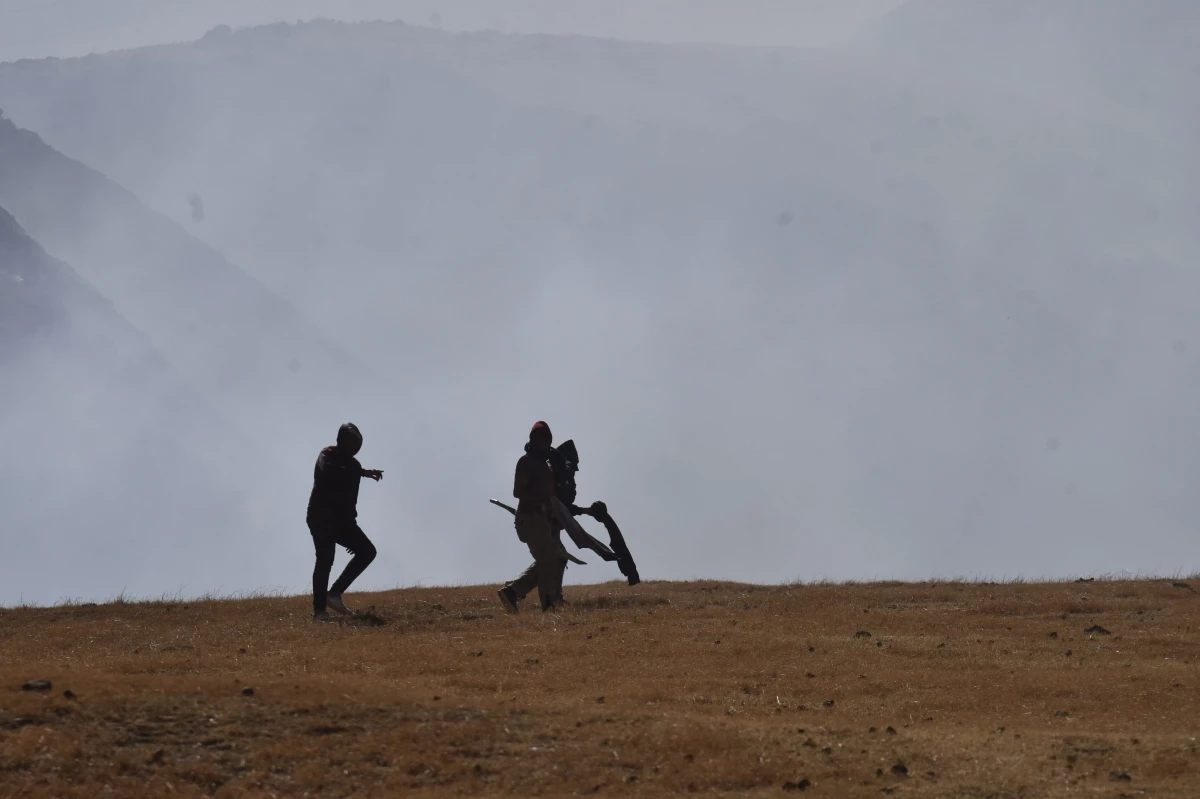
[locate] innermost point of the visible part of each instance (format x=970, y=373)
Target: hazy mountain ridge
x=38, y=28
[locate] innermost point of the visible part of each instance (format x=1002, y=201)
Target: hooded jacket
x=334, y=497
x=533, y=482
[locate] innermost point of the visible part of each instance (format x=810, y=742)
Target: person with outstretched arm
x=333, y=520
x=533, y=486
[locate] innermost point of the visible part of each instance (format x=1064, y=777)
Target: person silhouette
x=333, y=520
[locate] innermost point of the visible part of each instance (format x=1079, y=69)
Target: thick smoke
x=887, y=310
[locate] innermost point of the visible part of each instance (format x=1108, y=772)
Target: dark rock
x=69, y=694
x=829, y=703
x=862, y=634
x=247, y=692
x=1061, y=714
x=37, y=685
x=1096, y=629
x=799, y=785
x=900, y=770
x=326, y=729
x=1119, y=776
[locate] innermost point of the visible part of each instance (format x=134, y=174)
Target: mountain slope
x=113, y=473
x=247, y=350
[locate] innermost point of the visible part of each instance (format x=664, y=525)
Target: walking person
x=333, y=520
x=533, y=486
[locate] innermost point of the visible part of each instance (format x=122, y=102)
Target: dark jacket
x=334, y=497
x=533, y=483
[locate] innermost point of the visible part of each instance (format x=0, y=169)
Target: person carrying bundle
x=533, y=487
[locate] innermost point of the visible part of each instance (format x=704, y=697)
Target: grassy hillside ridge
x=918, y=689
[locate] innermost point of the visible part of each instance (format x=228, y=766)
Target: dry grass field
x=946, y=690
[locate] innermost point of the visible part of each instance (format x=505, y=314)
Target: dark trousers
x=327, y=537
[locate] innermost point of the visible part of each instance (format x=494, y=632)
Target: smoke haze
x=919, y=301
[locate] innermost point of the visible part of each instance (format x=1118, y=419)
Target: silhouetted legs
x=326, y=540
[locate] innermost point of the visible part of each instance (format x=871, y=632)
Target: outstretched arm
x=374, y=474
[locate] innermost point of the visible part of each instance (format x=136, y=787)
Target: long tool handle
x=513, y=511
x=508, y=508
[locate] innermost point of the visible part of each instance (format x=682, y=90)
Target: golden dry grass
x=965, y=690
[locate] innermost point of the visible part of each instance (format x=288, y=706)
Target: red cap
x=540, y=426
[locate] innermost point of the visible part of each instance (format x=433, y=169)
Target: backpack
x=564, y=462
